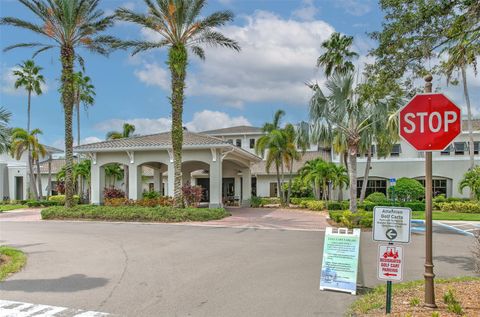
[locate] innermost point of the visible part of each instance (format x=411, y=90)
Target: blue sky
x=280, y=42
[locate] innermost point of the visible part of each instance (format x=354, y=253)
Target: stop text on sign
x=430, y=122
x=434, y=121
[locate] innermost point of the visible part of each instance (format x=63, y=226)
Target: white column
x=135, y=182
x=157, y=180
x=216, y=184
x=238, y=187
x=246, y=187
x=97, y=184
x=170, y=180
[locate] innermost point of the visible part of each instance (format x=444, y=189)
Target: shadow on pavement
x=71, y=283
x=464, y=262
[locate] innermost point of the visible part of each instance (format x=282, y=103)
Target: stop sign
x=430, y=122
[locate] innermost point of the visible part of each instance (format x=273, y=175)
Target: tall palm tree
x=29, y=77
x=337, y=56
x=460, y=57
x=127, y=131
x=114, y=172
x=84, y=94
x=317, y=172
x=38, y=151
x=5, y=131
x=343, y=114
x=83, y=172
x=180, y=26
x=22, y=142
x=291, y=154
x=67, y=25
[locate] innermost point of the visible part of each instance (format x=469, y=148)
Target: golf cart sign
x=390, y=263
x=430, y=122
x=391, y=224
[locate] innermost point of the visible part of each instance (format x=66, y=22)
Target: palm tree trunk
x=289, y=195
x=340, y=193
x=67, y=55
x=31, y=177
x=279, y=192
x=177, y=62
x=49, y=190
x=365, y=176
x=39, y=179
x=78, y=122
x=282, y=197
x=126, y=173
x=352, y=171
x=345, y=159
x=469, y=121
x=28, y=110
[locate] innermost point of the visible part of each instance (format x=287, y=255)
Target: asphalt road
x=181, y=270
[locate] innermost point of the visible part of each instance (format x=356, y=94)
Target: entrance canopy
x=200, y=152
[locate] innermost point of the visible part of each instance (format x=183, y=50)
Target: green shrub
x=134, y=213
x=255, y=201
x=335, y=215
x=378, y=198
x=11, y=207
x=41, y=203
x=461, y=206
x=454, y=199
x=60, y=199
x=270, y=201
x=335, y=205
x=298, y=201
x=408, y=189
x=299, y=188
x=415, y=205
x=353, y=220
x=439, y=198
x=151, y=194
x=315, y=205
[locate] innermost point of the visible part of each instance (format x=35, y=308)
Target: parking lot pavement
x=20, y=309
x=132, y=269
x=462, y=227
x=27, y=214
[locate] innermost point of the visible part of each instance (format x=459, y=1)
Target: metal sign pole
x=388, y=305
x=429, y=275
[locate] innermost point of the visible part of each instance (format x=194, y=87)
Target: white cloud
x=154, y=75
x=90, y=139
x=306, y=11
x=277, y=58
x=355, y=7
x=7, y=83
x=201, y=121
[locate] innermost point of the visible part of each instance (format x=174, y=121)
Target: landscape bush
x=376, y=197
x=113, y=192
x=408, y=189
x=336, y=205
x=315, y=205
x=298, y=201
x=191, y=195
x=151, y=194
x=461, y=206
x=145, y=202
x=361, y=219
x=60, y=199
x=42, y=203
x=255, y=201
x=134, y=213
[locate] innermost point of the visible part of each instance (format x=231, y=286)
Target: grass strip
x=15, y=260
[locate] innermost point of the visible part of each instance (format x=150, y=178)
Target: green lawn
x=445, y=215
x=10, y=207
x=16, y=260
x=134, y=213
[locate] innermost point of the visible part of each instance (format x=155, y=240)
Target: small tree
x=471, y=179
x=408, y=189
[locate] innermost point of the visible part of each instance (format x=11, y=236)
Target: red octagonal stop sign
x=430, y=122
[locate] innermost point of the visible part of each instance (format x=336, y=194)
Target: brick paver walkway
x=27, y=214
x=270, y=218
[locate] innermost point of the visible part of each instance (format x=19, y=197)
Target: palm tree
x=83, y=172
x=67, y=25
x=471, y=179
x=127, y=131
x=460, y=56
x=114, y=172
x=291, y=154
x=29, y=77
x=343, y=114
x=5, y=131
x=38, y=151
x=22, y=142
x=84, y=93
x=317, y=172
x=179, y=26
x=339, y=178
x=337, y=56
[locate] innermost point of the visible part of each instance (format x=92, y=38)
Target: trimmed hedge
x=315, y=205
x=11, y=207
x=376, y=197
x=134, y=213
x=361, y=219
x=42, y=203
x=414, y=205
x=461, y=206
x=60, y=199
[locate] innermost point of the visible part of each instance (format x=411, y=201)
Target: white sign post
x=391, y=224
x=390, y=263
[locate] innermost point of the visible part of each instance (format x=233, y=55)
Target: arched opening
x=197, y=173
x=153, y=179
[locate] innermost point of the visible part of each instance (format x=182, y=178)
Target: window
x=151, y=187
x=446, y=151
x=476, y=146
x=273, y=189
x=373, y=186
x=459, y=148
x=252, y=143
x=254, y=186
x=230, y=141
x=396, y=150
x=439, y=186
x=238, y=142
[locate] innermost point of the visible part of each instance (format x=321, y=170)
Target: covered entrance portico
x=202, y=157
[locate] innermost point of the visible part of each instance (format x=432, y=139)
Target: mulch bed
x=4, y=259
x=467, y=293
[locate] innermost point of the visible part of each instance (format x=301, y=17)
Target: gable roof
x=241, y=129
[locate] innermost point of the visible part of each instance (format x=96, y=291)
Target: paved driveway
x=177, y=270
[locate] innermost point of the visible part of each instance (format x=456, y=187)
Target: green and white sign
x=340, y=260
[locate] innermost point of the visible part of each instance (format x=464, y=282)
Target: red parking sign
x=430, y=122
x=390, y=262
